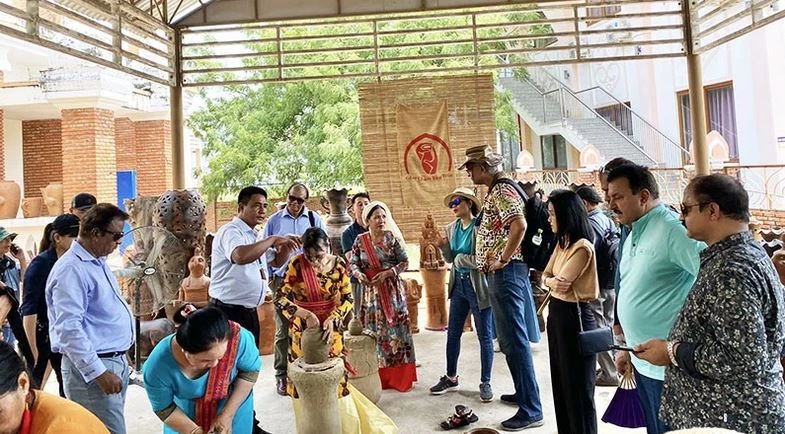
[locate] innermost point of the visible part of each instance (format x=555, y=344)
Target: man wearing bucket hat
x=468, y=292
x=498, y=254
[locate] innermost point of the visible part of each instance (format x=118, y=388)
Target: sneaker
x=444, y=385
x=509, y=399
x=135, y=379
x=486, y=393
x=519, y=422
x=496, y=347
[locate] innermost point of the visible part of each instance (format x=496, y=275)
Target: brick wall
x=42, y=148
x=125, y=143
x=770, y=218
x=89, y=155
x=153, y=156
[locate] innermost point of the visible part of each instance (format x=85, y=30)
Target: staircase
x=550, y=107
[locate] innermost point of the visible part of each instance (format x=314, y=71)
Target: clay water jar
x=315, y=349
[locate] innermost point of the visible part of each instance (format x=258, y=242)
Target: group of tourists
x=695, y=305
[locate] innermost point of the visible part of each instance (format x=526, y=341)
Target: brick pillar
x=42, y=148
x=125, y=141
x=153, y=157
x=89, y=161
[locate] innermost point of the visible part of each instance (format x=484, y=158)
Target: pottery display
x=434, y=273
x=413, y=296
x=315, y=349
x=10, y=196
x=316, y=409
x=195, y=287
x=53, y=199
x=183, y=213
x=32, y=207
x=361, y=355
x=266, y=313
x=339, y=219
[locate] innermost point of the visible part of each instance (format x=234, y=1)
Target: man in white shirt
x=239, y=266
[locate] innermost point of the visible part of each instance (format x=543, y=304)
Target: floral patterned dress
x=383, y=309
x=333, y=285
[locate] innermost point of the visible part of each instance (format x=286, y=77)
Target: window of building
x=619, y=115
x=720, y=115
x=554, y=152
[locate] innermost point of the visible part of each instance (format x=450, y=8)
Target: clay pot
x=339, y=219
x=482, y=431
x=10, y=195
x=315, y=349
x=266, y=313
x=361, y=354
x=32, y=207
x=355, y=327
x=53, y=199
x=435, y=283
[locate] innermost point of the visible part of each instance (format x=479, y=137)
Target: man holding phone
x=13, y=264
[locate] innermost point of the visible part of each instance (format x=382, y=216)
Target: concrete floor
x=415, y=411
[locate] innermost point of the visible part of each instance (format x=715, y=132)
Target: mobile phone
x=621, y=348
x=14, y=249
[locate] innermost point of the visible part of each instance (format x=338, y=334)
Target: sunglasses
x=116, y=235
x=296, y=199
x=455, y=202
x=685, y=209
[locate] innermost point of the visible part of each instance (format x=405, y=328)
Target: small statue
x=194, y=288
x=430, y=255
x=413, y=296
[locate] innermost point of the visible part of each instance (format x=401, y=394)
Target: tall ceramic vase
x=435, y=283
x=10, y=196
x=339, y=219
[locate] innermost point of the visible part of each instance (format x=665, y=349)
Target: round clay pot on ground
x=435, y=285
x=315, y=349
x=32, y=207
x=266, y=313
x=10, y=196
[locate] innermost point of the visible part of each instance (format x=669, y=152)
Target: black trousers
x=572, y=374
x=46, y=356
x=247, y=317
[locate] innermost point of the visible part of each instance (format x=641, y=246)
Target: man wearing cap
x=81, y=203
x=13, y=264
x=90, y=323
x=605, y=235
x=498, y=253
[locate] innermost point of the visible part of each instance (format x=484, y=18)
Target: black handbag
x=594, y=341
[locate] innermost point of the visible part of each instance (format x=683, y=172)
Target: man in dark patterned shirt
x=723, y=352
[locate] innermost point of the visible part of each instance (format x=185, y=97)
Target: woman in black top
x=63, y=231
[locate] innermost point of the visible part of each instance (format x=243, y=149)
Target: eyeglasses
x=685, y=209
x=455, y=202
x=115, y=235
x=296, y=199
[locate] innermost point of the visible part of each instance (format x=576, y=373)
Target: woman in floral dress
x=378, y=258
x=315, y=293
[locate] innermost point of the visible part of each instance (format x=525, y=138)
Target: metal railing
x=645, y=136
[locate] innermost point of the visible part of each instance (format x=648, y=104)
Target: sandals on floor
x=463, y=416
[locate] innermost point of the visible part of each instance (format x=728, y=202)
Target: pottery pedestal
x=317, y=386
x=10, y=195
x=361, y=355
x=436, y=298
x=266, y=313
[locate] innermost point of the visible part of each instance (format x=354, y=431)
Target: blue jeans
x=462, y=300
x=510, y=291
x=650, y=392
x=108, y=408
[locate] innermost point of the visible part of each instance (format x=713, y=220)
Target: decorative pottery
x=339, y=219
x=10, y=195
x=195, y=287
x=434, y=273
x=53, y=199
x=413, y=296
x=266, y=313
x=315, y=349
x=32, y=207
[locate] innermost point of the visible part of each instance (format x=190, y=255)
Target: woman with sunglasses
x=62, y=232
x=571, y=275
x=468, y=292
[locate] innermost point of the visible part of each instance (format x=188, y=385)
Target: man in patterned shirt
x=499, y=237
x=723, y=352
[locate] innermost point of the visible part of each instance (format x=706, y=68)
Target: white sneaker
x=496, y=347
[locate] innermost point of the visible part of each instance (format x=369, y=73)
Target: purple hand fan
x=625, y=408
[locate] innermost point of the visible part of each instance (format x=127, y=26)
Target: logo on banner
x=429, y=149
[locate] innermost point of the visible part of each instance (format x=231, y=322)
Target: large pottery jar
x=266, y=327
x=53, y=199
x=10, y=195
x=32, y=207
x=339, y=219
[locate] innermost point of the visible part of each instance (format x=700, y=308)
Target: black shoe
x=445, y=385
x=520, y=422
x=280, y=386
x=510, y=398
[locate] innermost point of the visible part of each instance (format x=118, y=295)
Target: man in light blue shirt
x=293, y=220
x=658, y=268
x=90, y=323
